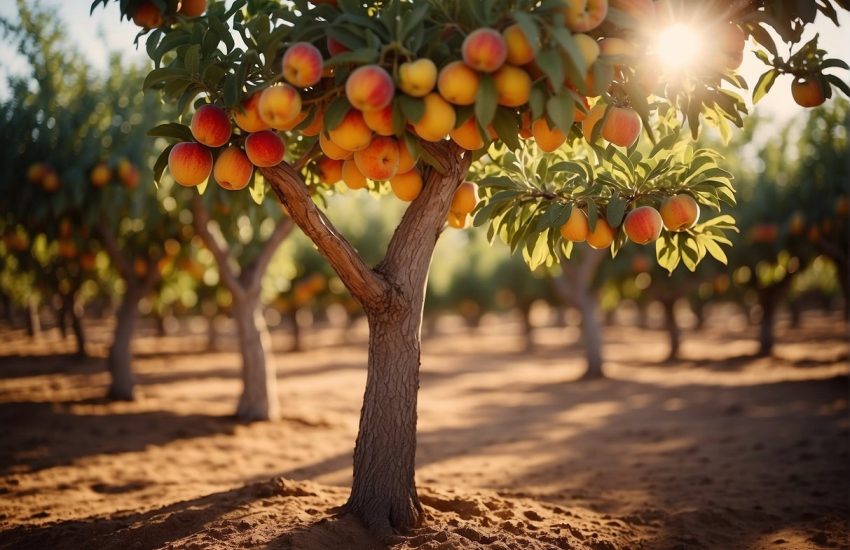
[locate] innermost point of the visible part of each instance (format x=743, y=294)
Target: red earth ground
x=719, y=450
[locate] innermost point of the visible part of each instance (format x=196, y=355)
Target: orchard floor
x=719, y=450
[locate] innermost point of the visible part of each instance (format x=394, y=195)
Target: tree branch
x=426, y=215
x=364, y=284
x=220, y=251
x=261, y=264
x=110, y=243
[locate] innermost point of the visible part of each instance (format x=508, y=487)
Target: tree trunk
x=383, y=493
x=119, y=360
x=844, y=282
x=672, y=328
x=73, y=310
x=591, y=334
x=33, y=319
x=527, y=325
x=698, y=307
x=297, y=344
x=768, y=323
x=259, y=383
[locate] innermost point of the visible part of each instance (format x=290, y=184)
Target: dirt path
x=720, y=450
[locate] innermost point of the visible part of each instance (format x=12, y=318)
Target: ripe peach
x=264, y=148
x=602, y=235
x=438, y=119
x=407, y=186
x=301, y=117
x=232, y=169
x=88, y=261
x=589, y=48
x=576, y=228
x=623, y=127
x=617, y=46
x=315, y=126
x=643, y=225
x=131, y=179
x=336, y=47
x=465, y=198
x=352, y=134
x=417, y=78
x=36, y=172
x=679, y=212
x=279, y=105
x=585, y=15
x=369, y=88
x=406, y=159
x=591, y=120
x=147, y=15
x=332, y=150
x=467, y=135
x=302, y=65
x=547, y=138
x=192, y=8
x=211, y=126
x=513, y=86
x=67, y=249
x=458, y=84
x=100, y=175
x=525, y=125
x=247, y=116
x=352, y=177
x=50, y=182
x=642, y=11
x=457, y=221
x=484, y=50
x=807, y=91
x=124, y=168
x=378, y=161
x=190, y=163
x=519, y=48
x=380, y=122
x=330, y=170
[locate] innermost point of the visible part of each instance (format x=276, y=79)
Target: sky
x=101, y=32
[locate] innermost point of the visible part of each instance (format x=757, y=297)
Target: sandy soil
x=719, y=450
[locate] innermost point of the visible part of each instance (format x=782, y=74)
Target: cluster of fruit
x=642, y=225
x=126, y=171
x=45, y=175
x=148, y=16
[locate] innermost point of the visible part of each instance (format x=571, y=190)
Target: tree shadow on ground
x=36, y=436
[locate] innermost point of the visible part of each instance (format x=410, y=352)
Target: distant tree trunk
x=698, y=308
x=642, y=314
x=259, y=377
x=795, y=307
x=33, y=319
x=768, y=324
x=159, y=319
x=119, y=360
x=561, y=316
x=212, y=334
x=297, y=343
x=610, y=317
x=844, y=283
x=72, y=311
x=672, y=328
x=524, y=308
x=576, y=286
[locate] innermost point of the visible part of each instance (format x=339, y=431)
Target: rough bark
x=671, y=326
x=119, y=360
x=258, y=400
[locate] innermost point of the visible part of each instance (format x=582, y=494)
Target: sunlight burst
x=680, y=46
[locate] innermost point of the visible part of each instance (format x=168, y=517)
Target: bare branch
x=364, y=284
x=110, y=243
x=220, y=251
x=261, y=264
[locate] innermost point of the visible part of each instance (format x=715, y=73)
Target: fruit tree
x=417, y=93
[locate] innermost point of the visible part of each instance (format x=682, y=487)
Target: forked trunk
x=672, y=328
x=383, y=493
x=119, y=360
x=259, y=383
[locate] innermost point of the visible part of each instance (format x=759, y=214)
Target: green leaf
x=192, y=59
x=172, y=130
x=552, y=66
x=616, y=210
x=161, y=163
x=336, y=112
x=486, y=101
x=413, y=108
x=561, y=109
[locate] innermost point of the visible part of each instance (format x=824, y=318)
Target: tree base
x=120, y=394
x=592, y=374
x=386, y=517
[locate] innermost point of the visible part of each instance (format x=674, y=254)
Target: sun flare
x=680, y=46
